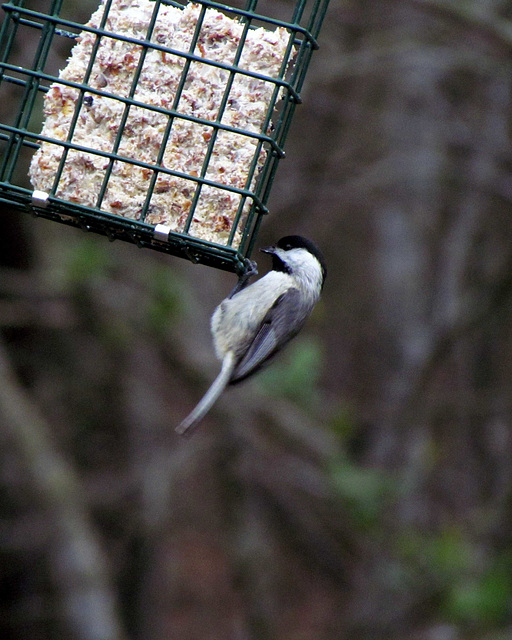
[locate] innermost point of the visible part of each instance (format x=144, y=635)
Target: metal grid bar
x=20, y=136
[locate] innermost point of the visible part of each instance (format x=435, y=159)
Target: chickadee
x=254, y=322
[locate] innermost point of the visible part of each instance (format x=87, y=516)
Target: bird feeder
x=165, y=125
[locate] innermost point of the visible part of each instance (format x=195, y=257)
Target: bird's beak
x=270, y=250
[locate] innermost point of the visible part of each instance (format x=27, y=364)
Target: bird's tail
x=210, y=397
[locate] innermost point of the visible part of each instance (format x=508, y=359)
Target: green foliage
x=342, y=423
x=471, y=591
x=297, y=374
x=86, y=259
x=445, y=555
x=91, y=259
x=481, y=599
x=165, y=301
x=366, y=492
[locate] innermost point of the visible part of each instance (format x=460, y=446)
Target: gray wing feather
x=282, y=322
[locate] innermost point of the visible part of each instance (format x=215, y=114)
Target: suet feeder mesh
x=164, y=127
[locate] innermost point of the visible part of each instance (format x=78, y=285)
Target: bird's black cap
x=299, y=242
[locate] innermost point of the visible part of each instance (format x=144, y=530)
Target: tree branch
x=80, y=569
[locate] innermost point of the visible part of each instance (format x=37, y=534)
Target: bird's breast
x=236, y=320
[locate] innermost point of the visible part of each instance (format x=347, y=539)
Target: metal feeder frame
x=20, y=137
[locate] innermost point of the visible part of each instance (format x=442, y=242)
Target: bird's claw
x=251, y=269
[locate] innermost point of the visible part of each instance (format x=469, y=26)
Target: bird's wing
x=282, y=322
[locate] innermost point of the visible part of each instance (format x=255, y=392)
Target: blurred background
x=361, y=487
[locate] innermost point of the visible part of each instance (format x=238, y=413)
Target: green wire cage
x=165, y=125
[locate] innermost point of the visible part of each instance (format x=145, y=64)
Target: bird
x=257, y=320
